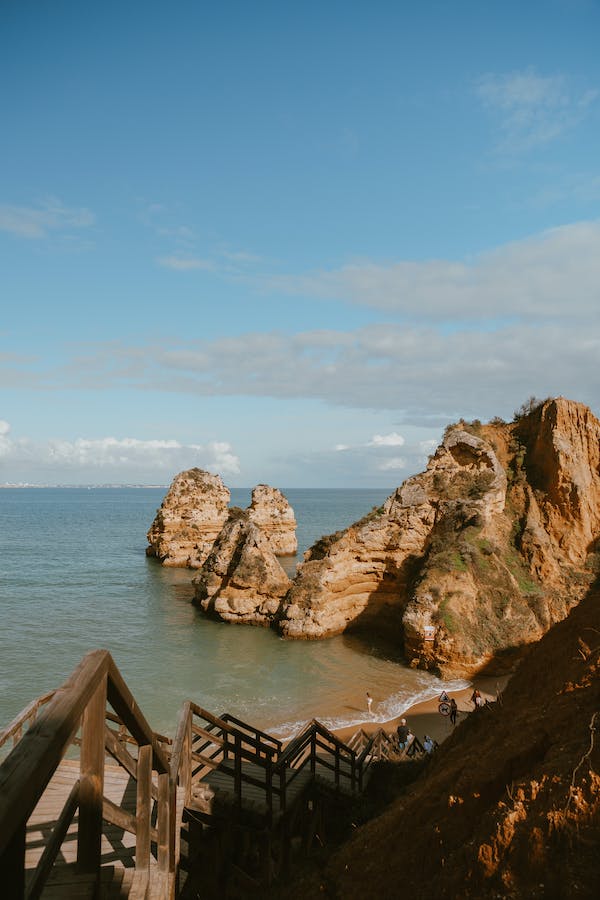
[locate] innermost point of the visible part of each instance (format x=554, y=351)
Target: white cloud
x=390, y=465
x=461, y=361
x=386, y=440
x=341, y=447
x=38, y=222
x=4, y=427
x=532, y=109
x=185, y=263
x=552, y=274
x=112, y=458
x=422, y=374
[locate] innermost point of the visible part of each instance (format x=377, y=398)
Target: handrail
x=225, y=739
x=255, y=732
x=14, y=728
x=80, y=706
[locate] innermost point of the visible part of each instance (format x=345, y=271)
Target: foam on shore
x=384, y=711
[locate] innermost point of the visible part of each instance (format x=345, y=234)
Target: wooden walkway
x=222, y=798
x=118, y=877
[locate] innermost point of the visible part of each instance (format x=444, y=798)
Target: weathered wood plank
x=91, y=788
x=27, y=770
x=51, y=849
x=144, y=805
x=164, y=808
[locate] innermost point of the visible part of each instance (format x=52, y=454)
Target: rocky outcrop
x=273, y=514
x=561, y=464
x=196, y=508
x=241, y=580
x=481, y=552
x=189, y=519
x=364, y=574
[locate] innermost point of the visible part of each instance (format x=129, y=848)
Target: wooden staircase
x=95, y=804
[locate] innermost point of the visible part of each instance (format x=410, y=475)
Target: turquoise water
x=74, y=577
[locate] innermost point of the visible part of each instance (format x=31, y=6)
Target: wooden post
x=12, y=865
x=238, y=769
x=143, y=807
x=186, y=760
x=225, y=746
x=282, y=788
x=313, y=751
x=89, y=835
x=269, y=784
x=163, y=824
x=337, y=766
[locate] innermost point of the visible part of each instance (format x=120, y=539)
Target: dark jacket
x=403, y=732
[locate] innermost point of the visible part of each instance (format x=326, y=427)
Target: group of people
x=406, y=739
x=447, y=706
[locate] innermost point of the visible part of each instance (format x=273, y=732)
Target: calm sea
x=74, y=577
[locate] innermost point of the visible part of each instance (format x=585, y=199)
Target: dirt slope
x=510, y=806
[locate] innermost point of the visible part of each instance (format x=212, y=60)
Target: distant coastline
x=25, y=484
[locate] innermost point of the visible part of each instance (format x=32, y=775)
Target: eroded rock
x=190, y=517
x=241, y=579
x=273, y=514
x=482, y=552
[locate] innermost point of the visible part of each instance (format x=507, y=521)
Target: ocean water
x=74, y=577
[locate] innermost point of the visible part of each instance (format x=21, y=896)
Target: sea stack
x=190, y=518
x=273, y=514
x=241, y=579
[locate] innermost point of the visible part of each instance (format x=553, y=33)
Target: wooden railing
x=95, y=710
x=14, y=730
x=255, y=736
x=77, y=712
x=204, y=743
x=316, y=747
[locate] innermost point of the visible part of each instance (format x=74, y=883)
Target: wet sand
x=423, y=718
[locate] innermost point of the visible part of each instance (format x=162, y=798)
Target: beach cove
x=74, y=576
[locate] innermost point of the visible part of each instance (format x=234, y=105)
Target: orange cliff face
x=479, y=553
x=189, y=519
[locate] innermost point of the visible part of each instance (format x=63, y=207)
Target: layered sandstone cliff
x=270, y=510
x=365, y=574
x=189, y=519
x=241, y=579
x=481, y=552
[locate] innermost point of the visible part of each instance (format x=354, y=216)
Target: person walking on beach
x=453, y=711
x=369, y=702
x=476, y=698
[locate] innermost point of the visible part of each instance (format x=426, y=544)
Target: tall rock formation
x=241, y=580
x=364, y=574
x=481, y=552
x=189, y=519
x=195, y=509
x=273, y=514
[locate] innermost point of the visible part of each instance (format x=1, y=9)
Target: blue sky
x=290, y=243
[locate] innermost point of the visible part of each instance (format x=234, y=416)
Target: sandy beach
x=423, y=718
